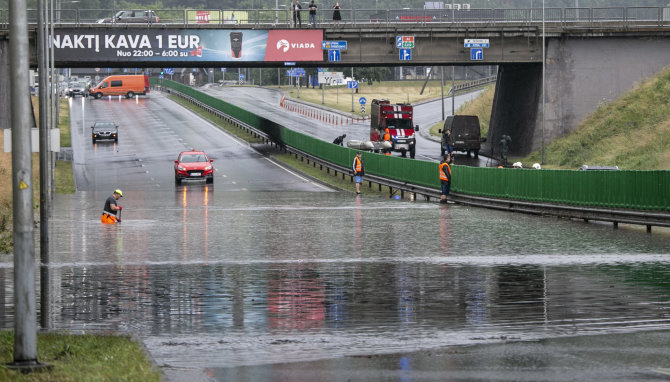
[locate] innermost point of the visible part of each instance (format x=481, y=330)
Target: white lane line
x=298, y=175
x=215, y=127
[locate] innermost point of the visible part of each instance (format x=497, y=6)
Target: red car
x=193, y=165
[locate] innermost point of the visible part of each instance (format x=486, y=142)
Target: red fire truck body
x=398, y=118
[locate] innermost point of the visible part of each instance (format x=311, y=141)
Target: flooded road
x=217, y=279
x=265, y=275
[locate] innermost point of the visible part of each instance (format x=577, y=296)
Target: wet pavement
x=217, y=282
x=267, y=276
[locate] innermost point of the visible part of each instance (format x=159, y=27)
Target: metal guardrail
x=472, y=84
x=615, y=216
x=281, y=17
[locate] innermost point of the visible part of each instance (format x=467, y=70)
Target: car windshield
x=193, y=158
x=104, y=125
x=73, y=84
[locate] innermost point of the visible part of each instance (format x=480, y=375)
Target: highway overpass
x=589, y=60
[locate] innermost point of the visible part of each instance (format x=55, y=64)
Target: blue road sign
x=169, y=71
x=352, y=84
x=405, y=54
x=223, y=70
x=333, y=55
x=339, y=45
x=289, y=63
x=398, y=41
x=241, y=76
x=476, y=54
x=362, y=101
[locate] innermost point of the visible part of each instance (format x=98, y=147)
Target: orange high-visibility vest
x=387, y=136
x=445, y=175
x=358, y=165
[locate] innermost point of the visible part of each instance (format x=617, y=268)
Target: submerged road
x=265, y=277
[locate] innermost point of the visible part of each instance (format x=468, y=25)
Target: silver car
x=146, y=17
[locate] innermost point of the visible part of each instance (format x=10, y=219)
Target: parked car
x=193, y=165
x=77, y=88
x=135, y=16
x=104, y=130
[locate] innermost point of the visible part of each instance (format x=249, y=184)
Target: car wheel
x=130, y=95
x=177, y=180
x=116, y=139
x=412, y=152
x=98, y=95
x=404, y=154
x=210, y=180
x=476, y=153
x=93, y=140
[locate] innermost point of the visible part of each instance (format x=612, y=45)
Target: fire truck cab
x=398, y=118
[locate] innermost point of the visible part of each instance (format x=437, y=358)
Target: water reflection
x=286, y=276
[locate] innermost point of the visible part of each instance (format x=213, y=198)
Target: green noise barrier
x=642, y=190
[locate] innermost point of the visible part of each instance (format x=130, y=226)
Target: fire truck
x=398, y=118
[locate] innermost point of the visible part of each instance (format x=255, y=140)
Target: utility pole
x=352, y=89
x=25, y=325
x=442, y=89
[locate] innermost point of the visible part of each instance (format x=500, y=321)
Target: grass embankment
x=81, y=358
x=308, y=169
x=480, y=106
x=63, y=176
x=632, y=132
x=339, y=97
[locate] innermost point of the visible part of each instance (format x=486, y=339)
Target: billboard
x=185, y=45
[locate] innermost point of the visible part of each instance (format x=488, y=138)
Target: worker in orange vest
x=445, y=177
x=111, y=207
x=387, y=138
x=359, y=171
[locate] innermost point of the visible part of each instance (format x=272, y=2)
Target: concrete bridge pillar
x=581, y=74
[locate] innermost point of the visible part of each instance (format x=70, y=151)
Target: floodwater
x=213, y=279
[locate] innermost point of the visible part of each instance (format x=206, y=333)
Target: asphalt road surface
x=152, y=132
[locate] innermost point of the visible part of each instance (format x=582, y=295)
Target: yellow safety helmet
x=117, y=191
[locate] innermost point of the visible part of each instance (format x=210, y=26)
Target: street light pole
x=544, y=60
x=25, y=325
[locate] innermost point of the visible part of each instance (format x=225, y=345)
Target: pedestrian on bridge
x=312, y=14
x=359, y=170
x=445, y=177
x=297, y=22
x=337, y=17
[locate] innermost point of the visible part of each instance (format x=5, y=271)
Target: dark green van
x=465, y=134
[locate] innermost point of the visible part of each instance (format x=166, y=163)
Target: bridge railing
x=283, y=18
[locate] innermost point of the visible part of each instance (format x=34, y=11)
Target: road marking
x=298, y=175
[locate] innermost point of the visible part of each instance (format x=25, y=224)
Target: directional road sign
x=334, y=55
x=362, y=100
x=476, y=54
x=405, y=54
x=339, y=45
x=352, y=84
x=476, y=43
x=169, y=71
